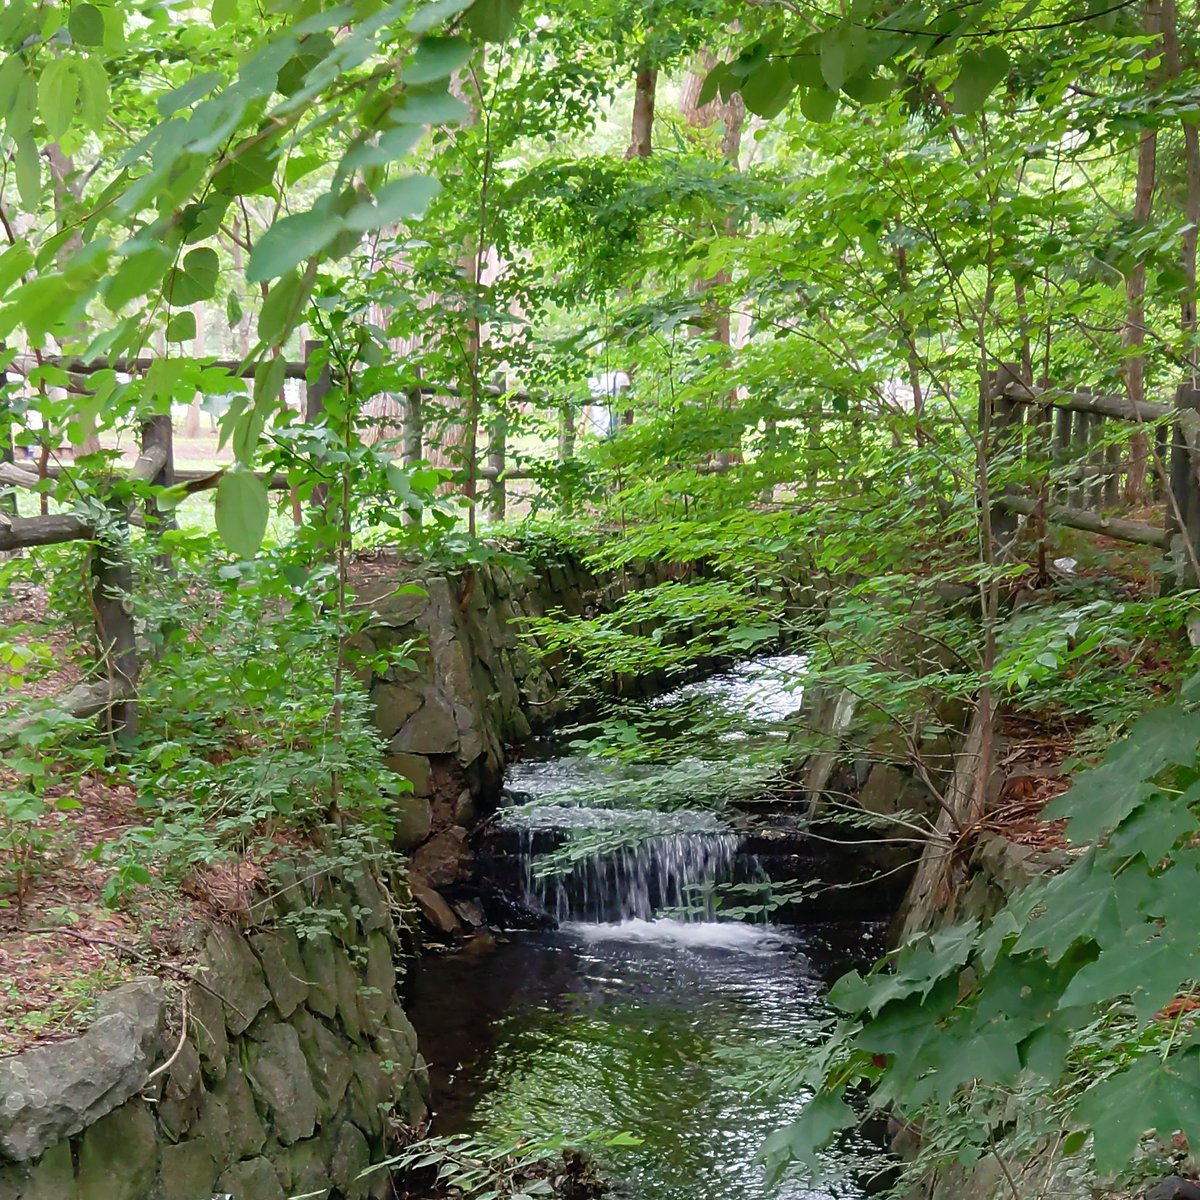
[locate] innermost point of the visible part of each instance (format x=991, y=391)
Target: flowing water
x=642, y=1013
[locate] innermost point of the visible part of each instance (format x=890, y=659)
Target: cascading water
x=593, y=852
x=670, y=873
x=640, y=1012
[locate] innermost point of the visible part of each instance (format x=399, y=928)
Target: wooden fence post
x=1096, y=459
x=1080, y=436
x=8, y=500
x=159, y=434
x=1162, y=448
x=1006, y=435
x=412, y=438
x=1062, y=450
x=1112, y=475
x=1185, y=528
x=412, y=429
x=566, y=431
x=112, y=600
x=497, y=452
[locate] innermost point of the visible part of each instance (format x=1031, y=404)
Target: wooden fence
x=1065, y=439
x=113, y=696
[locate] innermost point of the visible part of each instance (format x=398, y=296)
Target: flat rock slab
x=51, y=1092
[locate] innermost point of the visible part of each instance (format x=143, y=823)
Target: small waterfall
x=675, y=873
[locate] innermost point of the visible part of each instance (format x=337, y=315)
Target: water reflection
x=648, y=1027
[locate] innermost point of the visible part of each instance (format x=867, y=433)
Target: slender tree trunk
x=641, y=141
x=1191, y=165
x=732, y=113
x=911, y=356
x=1133, y=338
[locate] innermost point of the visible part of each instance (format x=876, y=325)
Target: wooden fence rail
x=1064, y=437
x=113, y=697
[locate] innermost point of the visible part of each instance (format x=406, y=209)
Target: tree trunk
x=1133, y=338
x=1191, y=165
x=645, y=87
x=732, y=113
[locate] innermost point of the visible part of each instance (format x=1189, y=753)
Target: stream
x=648, y=1012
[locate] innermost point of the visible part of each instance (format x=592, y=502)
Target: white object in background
x=1065, y=565
x=609, y=383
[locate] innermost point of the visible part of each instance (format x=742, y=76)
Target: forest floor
x=61, y=945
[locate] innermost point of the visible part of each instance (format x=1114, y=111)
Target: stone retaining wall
x=297, y=1058
x=477, y=686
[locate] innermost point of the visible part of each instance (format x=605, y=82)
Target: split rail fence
x=1062, y=436
x=1065, y=438
x=113, y=697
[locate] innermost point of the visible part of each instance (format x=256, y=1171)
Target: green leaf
x=280, y=309
x=804, y=63
x=843, y=52
x=1153, y=1094
x=93, y=93
x=430, y=106
x=14, y=262
x=404, y=199
x=58, y=93
x=980, y=72
x=818, y=104
x=233, y=309
x=290, y=242
x=867, y=88
x=223, y=11
x=202, y=268
x=1151, y=972
x=824, y=1116
x=20, y=97
x=908, y=1031
x=242, y=509
x=393, y=145
x=1101, y=798
x=268, y=382
x=1079, y=904
x=29, y=173
x=492, y=20
x=181, y=327
x=188, y=93
x=86, y=25
x=437, y=58
x=767, y=90
x=1156, y=826
x=430, y=16
x=141, y=271
x=712, y=81
x=164, y=382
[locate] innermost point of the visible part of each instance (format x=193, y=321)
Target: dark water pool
x=666, y=1031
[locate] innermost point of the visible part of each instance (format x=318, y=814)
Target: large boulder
x=51, y=1092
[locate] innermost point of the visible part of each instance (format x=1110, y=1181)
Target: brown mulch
x=60, y=945
x=24, y=616
x=1032, y=758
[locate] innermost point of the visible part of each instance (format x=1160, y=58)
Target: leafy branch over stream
x=1079, y=992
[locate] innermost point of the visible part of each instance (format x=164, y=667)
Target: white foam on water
x=705, y=935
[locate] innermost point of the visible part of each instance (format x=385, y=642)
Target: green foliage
x=479, y=1168
x=236, y=748
x=1066, y=989
x=44, y=760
